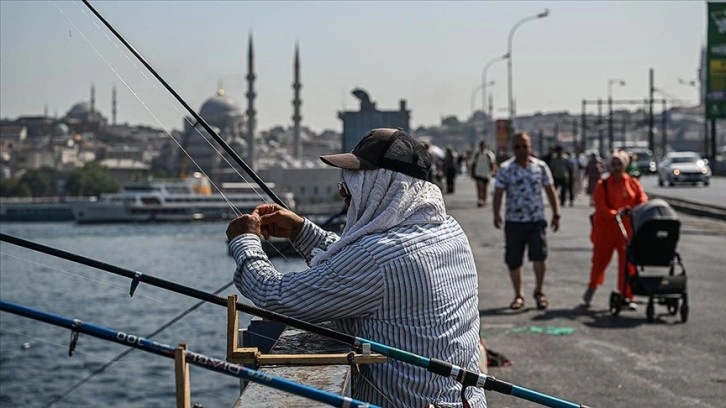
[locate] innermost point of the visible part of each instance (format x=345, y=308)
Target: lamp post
x=543, y=14
x=610, y=107
x=484, y=88
x=478, y=88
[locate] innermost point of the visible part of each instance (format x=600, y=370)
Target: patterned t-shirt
x=523, y=187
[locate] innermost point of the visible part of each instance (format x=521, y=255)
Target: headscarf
x=382, y=199
x=622, y=156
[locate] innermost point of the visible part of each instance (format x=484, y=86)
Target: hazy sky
x=429, y=53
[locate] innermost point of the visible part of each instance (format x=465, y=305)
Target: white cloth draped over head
x=382, y=199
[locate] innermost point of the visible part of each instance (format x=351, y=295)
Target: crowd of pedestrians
x=563, y=176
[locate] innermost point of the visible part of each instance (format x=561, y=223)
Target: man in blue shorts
x=523, y=178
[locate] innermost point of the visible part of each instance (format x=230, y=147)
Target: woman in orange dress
x=616, y=193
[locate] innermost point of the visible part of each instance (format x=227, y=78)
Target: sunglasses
x=615, y=163
x=343, y=189
x=520, y=147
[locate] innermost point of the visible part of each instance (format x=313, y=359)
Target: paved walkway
x=587, y=356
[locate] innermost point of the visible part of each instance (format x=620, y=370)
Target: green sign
x=716, y=62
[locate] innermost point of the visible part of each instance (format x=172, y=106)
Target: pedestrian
x=593, y=172
x=450, y=169
x=618, y=193
x=483, y=167
x=401, y=272
x=560, y=167
x=522, y=178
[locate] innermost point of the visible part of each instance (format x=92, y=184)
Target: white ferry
x=162, y=200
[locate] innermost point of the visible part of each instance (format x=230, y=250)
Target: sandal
x=541, y=300
x=517, y=303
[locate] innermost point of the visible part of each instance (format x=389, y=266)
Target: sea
x=35, y=368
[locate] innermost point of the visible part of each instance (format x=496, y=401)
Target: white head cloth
x=383, y=199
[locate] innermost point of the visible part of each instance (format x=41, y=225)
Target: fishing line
x=220, y=154
x=129, y=350
x=123, y=288
x=158, y=121
x=171, y=103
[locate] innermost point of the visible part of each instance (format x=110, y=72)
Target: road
x=714, y=194
x=588, y=356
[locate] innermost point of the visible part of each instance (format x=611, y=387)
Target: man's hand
x=244, y=224
x=279, y=222
x=555, y=223
x=497, y=221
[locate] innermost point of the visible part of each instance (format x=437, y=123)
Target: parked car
x=644, y=159
x=683, y=167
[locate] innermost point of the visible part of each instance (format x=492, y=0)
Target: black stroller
x=656, y=230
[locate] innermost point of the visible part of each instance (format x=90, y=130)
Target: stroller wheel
x=684, y=309
x=616, y=303
x=650, y=310
x=672, y=306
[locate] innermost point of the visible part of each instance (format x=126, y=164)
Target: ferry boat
x=44, y=209
x=185, y=199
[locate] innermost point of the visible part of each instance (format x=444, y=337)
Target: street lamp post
x=543, y=14
x=478, y=88
x=610, y=107
x=484, y=88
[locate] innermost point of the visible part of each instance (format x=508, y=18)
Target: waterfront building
x=357, y=124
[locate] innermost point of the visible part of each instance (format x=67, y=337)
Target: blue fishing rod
x=436, y=366
x=200, y=360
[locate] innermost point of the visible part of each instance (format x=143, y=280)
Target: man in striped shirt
x=401, y=273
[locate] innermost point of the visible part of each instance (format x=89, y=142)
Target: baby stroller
x=656, y=229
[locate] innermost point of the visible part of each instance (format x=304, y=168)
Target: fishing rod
x=227, y=148
x=433, y=365
x=200, y=360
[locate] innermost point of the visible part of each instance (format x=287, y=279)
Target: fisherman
x=401, y=273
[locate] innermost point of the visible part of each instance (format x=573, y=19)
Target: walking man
x=483, y=167
x=523, y=178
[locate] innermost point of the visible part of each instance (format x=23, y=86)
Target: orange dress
x=622, y=192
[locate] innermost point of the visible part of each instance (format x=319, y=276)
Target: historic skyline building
x=357, y=124
x=251, y=119
x=296, y=102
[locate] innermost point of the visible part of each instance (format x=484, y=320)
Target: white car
x=683, y=167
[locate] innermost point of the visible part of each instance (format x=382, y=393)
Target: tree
x=38, y=181
x=90, y=180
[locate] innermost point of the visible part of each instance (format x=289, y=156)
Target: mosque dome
x=218, y=107
x=61, y=129
x=80, y=111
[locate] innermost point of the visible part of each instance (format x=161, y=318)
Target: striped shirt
x=413, y=288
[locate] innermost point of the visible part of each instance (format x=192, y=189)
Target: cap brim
x=347, y=161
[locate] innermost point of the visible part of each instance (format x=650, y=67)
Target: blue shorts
x=517, y=235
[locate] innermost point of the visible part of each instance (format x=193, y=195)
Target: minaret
x=251, y=104
x=45, y=111
x=93, y=99
x=113, y=104
x=296, y=102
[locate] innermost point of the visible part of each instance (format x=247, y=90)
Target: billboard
x=502, y=134
x=716, y=62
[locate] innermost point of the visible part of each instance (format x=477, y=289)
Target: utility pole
x=610, y=123
x=650, y=110
x=584, y=125
x=599, y=128
x=664, y=118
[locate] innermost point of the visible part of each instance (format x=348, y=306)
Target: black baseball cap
x=385, y=148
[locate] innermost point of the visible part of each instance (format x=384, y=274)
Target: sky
x=429, y=53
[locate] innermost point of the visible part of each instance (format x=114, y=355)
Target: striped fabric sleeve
x=313, y=237
x=347, y=286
